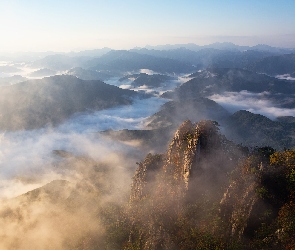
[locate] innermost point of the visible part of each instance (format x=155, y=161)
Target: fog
x=83, y=175
x=97, y=169
x=28, y=154
x=23, y=69
x=286, y=77
x=257, y=103
x=157, y=91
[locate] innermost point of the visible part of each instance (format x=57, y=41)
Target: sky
x=74, y=25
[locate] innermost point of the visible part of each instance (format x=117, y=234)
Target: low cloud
x=26, y=157
x=147, y=71
x=257, y=103
x=286, y=77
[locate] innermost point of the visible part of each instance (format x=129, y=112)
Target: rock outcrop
x=165, y=183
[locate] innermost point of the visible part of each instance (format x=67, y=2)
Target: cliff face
x=190, y=172
x=259, y=199
x=197, y=149
x=204, y=193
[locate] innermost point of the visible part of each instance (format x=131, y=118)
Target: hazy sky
x=64, y=25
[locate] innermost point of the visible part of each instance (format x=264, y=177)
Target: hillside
x=185, y=199
x=257, y=130
x=204, y=192
x=11, y=80
x=275, y=65
x=206, y=57
x=173, y=113
x=219, y=80
x=49, y=101
x=59, y=62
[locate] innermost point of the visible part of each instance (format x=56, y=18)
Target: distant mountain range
x=275, y=65
x=123, y=60
x=212, y=178
x=190, y=101
x=220, y=80
x=59, y=62
x=174, y=59
x=221, y=46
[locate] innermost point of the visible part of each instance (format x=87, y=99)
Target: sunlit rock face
x=195, y=164
x=194, y=149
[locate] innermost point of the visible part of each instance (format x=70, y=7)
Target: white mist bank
x=26, y=157
x=257, y=103
x=157, y=91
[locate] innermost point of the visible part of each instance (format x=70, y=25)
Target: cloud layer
x=257, y=103
x=26, y=158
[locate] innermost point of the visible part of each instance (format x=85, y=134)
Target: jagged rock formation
x=164, y=184
x=241, y=194
x=259, y=199
x=186, y=199
x=192, y=147
x=191, y=143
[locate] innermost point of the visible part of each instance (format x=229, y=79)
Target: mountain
x=9, y=69
x=258, y=205
x=242, y=127
x=275, y=65
x=192, y=145
x=52, y=214
x=207, y=193
x=220, y=80
x=160, y=127
x=204, y=192
x=143, y=79
x=173, y=113
x=49, y=101
x=221, y=46
x=123, y=60
x=190, y=46
x=89, y=53
x=210, y=57
x=11, y=80
x=86, y=74
x=59, y=62
x=42, y=73
x=168, y=189
x=257, y=130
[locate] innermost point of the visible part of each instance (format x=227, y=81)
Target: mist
x=157, y=91
x=257, y=103
x=28, y=154
x=87, y=171
x=74, y=183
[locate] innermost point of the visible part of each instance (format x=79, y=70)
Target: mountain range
x=212, y=168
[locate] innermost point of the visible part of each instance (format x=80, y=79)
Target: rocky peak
x=164, y=184
x=190, y=146
x=185, y=149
